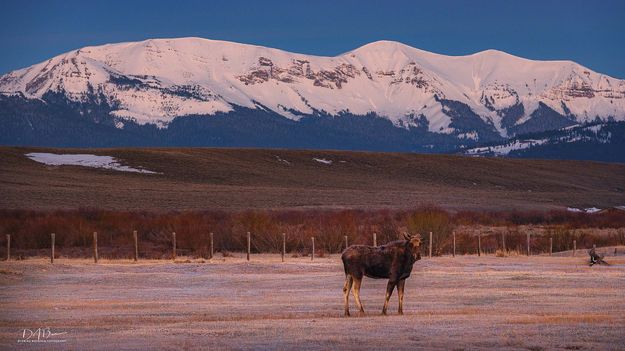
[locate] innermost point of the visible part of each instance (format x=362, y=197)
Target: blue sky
x=589, y=32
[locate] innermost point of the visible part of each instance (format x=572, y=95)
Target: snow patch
x=596, y=128
x=323, y=160
x=85, y=160
x=469, y=135
x=583, y=210
x=282, y=160
x=505, y=149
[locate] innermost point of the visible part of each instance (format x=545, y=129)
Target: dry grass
x=451, y=303
x=508, y=253
x=592, y=318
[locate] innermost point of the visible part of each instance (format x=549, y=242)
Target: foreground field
x=234, y=179
x=451, y=303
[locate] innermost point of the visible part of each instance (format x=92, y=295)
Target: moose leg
x=400, y=292
x=356, y=290
x=346, y=288
x=389, y=291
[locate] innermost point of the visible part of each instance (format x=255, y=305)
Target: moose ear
x=406, y=236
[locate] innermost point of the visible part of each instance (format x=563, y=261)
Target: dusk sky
x=588, y=32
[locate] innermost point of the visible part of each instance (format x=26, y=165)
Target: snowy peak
x=157, y=80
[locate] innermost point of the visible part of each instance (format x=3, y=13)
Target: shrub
x=30, y=230
x=435, y=220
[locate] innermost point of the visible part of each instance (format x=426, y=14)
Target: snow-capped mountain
x=483, y=97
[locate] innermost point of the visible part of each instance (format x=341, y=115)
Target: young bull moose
x=393, y=261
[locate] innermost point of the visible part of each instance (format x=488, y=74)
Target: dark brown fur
x=392, y=261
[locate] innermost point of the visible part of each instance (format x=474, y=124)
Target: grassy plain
x=235, y=179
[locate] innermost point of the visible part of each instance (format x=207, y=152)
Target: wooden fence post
x=173, y=241
x=283, y=245
x=375, y=240
x=249, y=242
x=136, y=239
x=346, y=245
x=312, y=254
x=8, y=247
x=52, y=248
x=479, y=245
x=453, y=233
x=212, y=246
x=574, y=247
x=503, y=241
x=430, y=246
x=528, y=244
x=550, y=246
x=95, y=247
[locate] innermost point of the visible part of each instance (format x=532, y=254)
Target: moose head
x=414, y=243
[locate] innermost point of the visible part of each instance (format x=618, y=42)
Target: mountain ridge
x=483, y=97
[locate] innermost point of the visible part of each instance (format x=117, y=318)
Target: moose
x=392, y=261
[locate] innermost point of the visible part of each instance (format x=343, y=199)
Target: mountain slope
x=599, y=141
x=141, y=89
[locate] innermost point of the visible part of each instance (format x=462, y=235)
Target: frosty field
x=451, y=303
